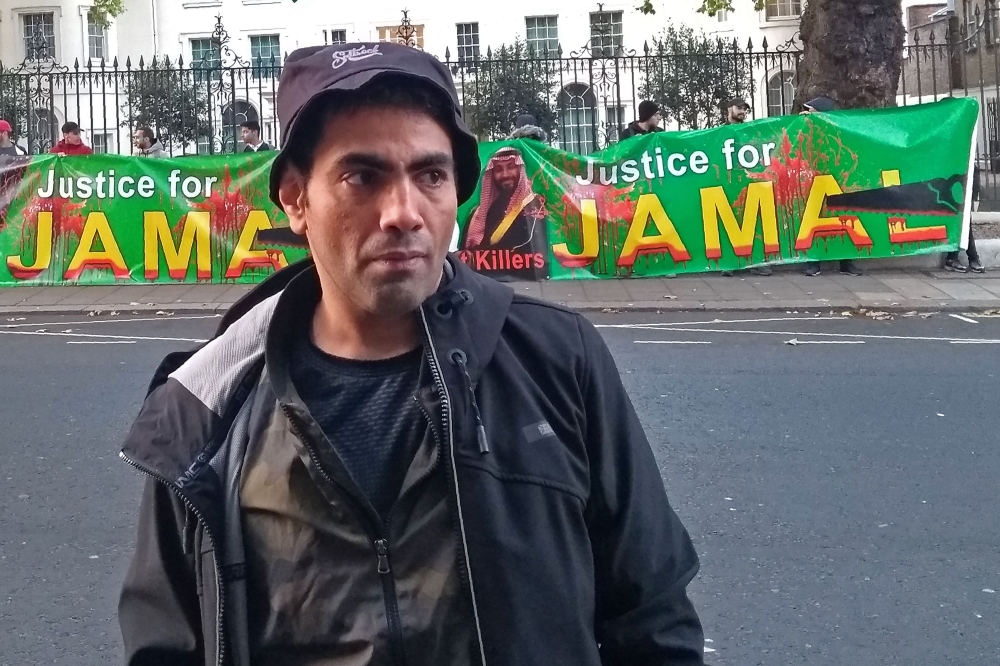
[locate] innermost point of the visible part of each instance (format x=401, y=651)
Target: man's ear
x=292, y=195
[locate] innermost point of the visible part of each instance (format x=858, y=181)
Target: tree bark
x=852, y=52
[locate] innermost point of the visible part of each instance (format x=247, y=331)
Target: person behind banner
x=71, y=143
x=736, y=111
x=506, y=236
x=647, y=123
x=822, y=104
x=146, y=144
x=250, y=133
x=975, y=265
x=7, y=147
x=526, y=127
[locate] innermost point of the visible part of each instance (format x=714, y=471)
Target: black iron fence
x=583, y=99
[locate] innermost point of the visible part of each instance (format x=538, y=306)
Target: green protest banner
x=843, y=185
x=826, y=186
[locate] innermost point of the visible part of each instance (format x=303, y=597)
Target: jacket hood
x=192, y=397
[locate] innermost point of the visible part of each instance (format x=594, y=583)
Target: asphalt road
x=841, y=490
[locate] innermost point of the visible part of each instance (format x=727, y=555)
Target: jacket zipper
x=381, y=545
x=219, y=589
x=446, y=417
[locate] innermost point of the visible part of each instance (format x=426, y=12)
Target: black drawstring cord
x=458, y=358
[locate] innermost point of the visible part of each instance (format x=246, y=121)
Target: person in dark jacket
x=823, y=104
x=250, y=134
x=951, y=262
x=383, y=457
x=647, y=123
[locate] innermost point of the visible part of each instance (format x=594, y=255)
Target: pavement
x=837, y=474
x=884, y=289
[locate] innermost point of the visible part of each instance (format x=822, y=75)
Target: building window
x=780, y=93
x=206, y=54
x=335, y=37
x=97, y=40
x=43, y=130
x=576, y=119
x=616, y=122
x=543, y=35
x=468, y=43
x=722, y=15
x=265, y=54
x=605, y=34
x=778, y=9
x=39, y=36
x=395, y=33
x=101, y=142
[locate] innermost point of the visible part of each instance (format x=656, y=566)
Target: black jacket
x=634, y=129
x=568, y=547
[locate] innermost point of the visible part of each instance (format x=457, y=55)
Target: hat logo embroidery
x=341, y=58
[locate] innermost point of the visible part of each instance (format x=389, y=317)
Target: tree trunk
x=852, y=52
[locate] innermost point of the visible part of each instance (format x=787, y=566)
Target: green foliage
x=498, y=89
x=692, y=75
x=103, y=11
x=710, y=7
x=169, y=99
x=14, y=104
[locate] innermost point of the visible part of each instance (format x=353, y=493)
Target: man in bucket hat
x=383, y=457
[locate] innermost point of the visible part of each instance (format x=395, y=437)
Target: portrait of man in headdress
x=506, y=235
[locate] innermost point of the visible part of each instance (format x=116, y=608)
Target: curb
x=94, y=310
x=593, y=307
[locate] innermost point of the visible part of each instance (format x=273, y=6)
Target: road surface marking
x=966, y=319
x=108, y=321
x=108, y=337
x=795, y=342
x=975, y=342
x=719, y=321
x=833, y=335
x=672, y=342
x=100, y=342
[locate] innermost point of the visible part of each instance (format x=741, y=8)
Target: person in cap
x=71, y=142
x=383, y=457
x=7, y=147
x=526, y=127
x=823, y=104
x=647, y=123
x=736, y=111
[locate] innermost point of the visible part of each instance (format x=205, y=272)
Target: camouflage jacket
x=568, y=550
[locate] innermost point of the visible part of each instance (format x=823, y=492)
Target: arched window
x=233, y=116
x=780, y=93
x=577, y=118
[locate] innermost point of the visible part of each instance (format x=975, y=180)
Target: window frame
x=270, y=68
x=468, y=53
x=773, y=10
x=51, y=39
x=551, y=39
x=617, y=40
x=91, y=37
x=214, y=65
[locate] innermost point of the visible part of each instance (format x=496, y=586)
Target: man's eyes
x=363, y=178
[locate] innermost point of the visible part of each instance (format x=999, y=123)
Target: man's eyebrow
x=436, y=159
x=379, y=163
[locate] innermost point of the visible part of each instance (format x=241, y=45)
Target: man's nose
x=400, y=207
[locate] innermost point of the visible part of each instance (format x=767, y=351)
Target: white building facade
x=259, y=33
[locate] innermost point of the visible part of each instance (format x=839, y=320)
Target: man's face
x=506, y=174
x=72, y=138
x=4, y=137
x=249, y=136
x=656, y=119
x=378, y=209
x=141, y=141
x=737, y=114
